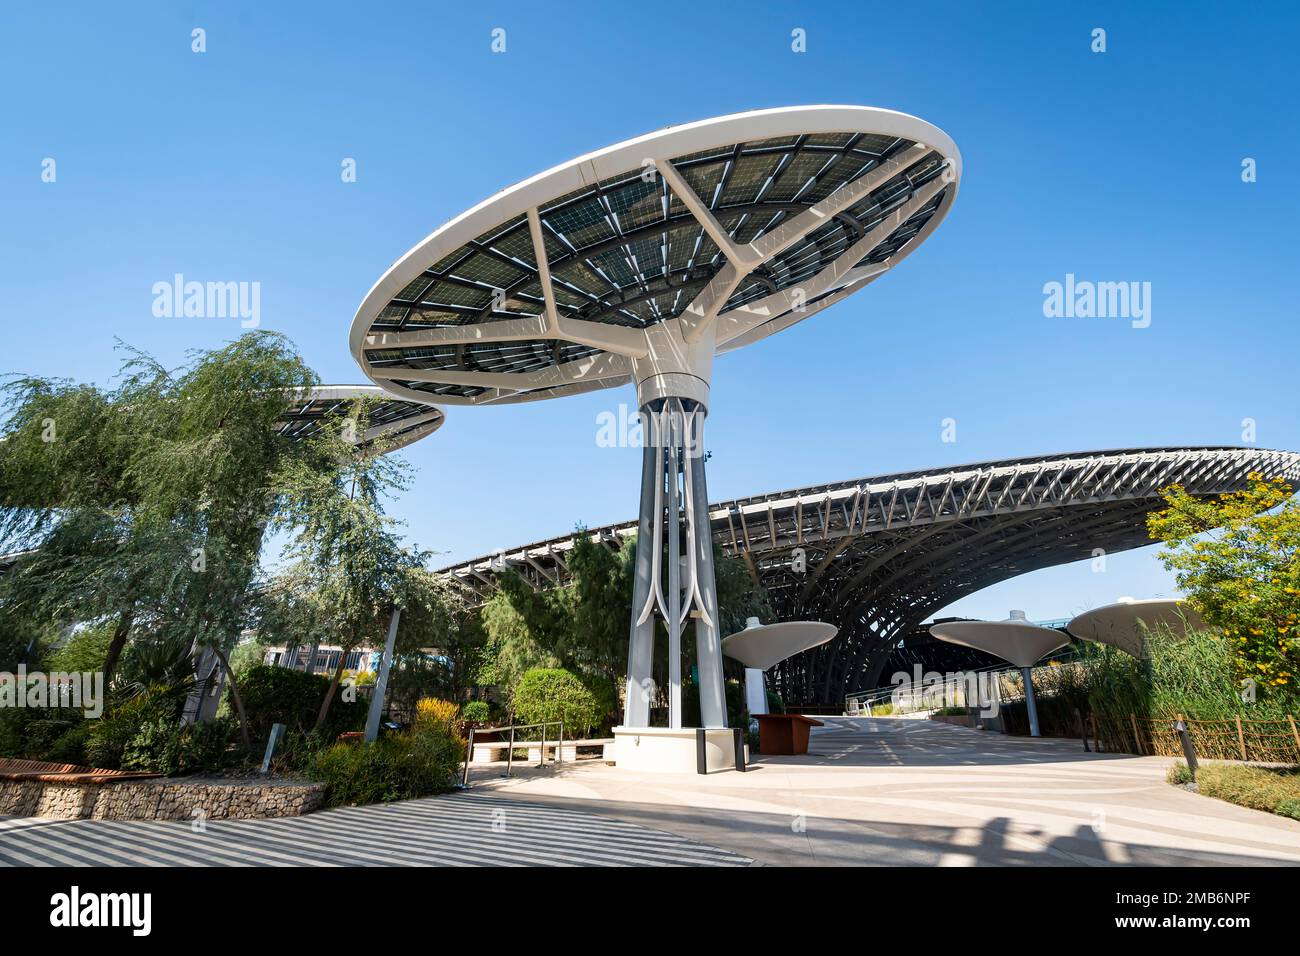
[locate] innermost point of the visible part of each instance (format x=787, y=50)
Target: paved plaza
x=889, y=791
x=462, y=829
x=871, y=791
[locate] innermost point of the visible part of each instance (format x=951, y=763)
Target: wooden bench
x=45, y=772
x=784, y=733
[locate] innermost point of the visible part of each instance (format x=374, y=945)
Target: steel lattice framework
x=391, y=423
x=876, y=556
x=696, y=239
x=638, y=263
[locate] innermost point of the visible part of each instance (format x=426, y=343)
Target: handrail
x=510, y=746
x=853, y=703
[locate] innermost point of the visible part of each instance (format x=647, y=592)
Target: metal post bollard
x=277, y=733
x=1189, y=751
x=510, y=754
x=469, y=755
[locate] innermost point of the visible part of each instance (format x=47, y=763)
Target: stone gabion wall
x=19, y=798
x=161, y=800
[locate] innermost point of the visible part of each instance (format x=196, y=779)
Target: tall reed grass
x=1196, y=675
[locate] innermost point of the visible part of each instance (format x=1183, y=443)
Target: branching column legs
x=674, y=501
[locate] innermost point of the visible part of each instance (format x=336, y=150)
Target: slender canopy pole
x=708, y=632
x=640, y=654
x=675, y=429
x=1027, y=674
x=381, y=684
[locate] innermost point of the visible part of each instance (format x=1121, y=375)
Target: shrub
x=155, y=747
x=476, y=712
x=279, y=695
x=112, y=733
x=551, y=693
x=434, y=714
x=1179, y=775
x=71, y=746
x=162, y=745
x=109, y=738
x=40, y=736
x=204, y=746
x=11, y=733
x=1194, y=674
x=395, y=767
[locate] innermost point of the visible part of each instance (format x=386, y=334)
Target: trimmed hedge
x=280, y=695
x=552, y=693
x=475, y=712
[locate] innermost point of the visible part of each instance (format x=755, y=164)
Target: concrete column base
x=672, y=750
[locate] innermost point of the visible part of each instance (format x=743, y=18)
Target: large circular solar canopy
x=749, y=222
x=391, y=423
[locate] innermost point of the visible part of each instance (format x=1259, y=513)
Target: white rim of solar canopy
x=619, y=347
x=397, y=433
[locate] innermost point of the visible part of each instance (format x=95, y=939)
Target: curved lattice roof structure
x=392, y=422
x=876, y=556
x=737, y=226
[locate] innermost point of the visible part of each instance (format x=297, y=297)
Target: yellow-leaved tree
x=1237, y=557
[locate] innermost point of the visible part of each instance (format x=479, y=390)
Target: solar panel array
x=628, y=252
x=306, y=418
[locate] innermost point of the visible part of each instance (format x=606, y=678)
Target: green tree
x=583, y=626
x=146, y=505
x=1237, y=557
x=601, y=607
x=247, y=654
x=523, y=629
x=740, y=597
x=427, y=647
x=345, y=550
x=551, y=694
x=22, y=640
x=83, y=650
x=68, y=494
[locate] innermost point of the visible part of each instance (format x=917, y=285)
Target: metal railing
x=510, y=745
x=908, y=700
x=916, y=699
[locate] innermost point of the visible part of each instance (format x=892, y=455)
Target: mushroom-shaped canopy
x=1015, y=639
x=1125, y=624
x=392, y=423
x=766, y=645
x=648, y=257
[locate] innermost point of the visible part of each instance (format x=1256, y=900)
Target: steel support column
x=708, y=636
x=641, y=644
x=674, y=502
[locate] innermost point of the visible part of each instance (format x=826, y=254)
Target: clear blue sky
x=1118, y=166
